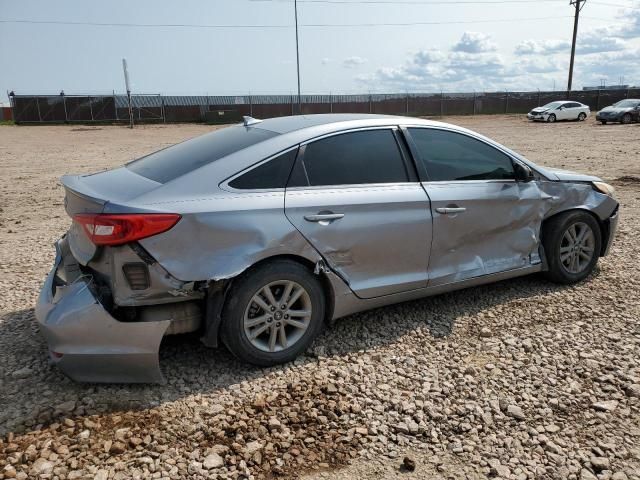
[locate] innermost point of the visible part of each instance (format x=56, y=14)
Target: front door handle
x=323, y=217
x=450, y=210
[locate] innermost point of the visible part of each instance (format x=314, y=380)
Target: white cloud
x=475, y=42
x=609, y=66
x=542, y=47
x=353, y=62
x=325, y=61
x=594, y=41
x=474, y=63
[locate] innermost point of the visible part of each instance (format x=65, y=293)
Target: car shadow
x=192, y=369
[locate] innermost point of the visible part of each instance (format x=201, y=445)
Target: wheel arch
x=605, y=230
x=217, y=291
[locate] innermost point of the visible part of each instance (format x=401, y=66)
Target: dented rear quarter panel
x=221, y=236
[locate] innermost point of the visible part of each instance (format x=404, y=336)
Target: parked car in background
x=256, y=234
x=560, y=110
x=625, y=111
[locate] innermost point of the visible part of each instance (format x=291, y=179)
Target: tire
x=551, y=118
x=626, y=118
x=242, y=307
x=603, y=122
x=560, y=249
x=582, y=117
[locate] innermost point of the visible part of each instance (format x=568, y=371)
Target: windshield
x=177, y=160
x=551, y=105
x=627, y=104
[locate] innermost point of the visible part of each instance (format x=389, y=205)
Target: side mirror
x=522, y=172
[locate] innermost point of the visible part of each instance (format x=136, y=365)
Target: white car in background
x=560, y=110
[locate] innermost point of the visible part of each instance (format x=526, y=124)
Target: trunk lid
x=104, y=192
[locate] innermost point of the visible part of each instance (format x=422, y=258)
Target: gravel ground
x=521, y=379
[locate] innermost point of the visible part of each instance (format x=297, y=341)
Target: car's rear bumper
x=85, y=341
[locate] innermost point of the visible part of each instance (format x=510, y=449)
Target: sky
x=237, y=47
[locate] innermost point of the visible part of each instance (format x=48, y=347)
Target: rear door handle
x=323, y=217
x=450, y=210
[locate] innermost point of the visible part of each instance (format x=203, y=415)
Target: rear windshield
x=177, y=160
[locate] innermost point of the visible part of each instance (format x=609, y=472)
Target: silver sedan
x=257, y=234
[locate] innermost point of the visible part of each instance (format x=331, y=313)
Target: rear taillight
x=104, y=229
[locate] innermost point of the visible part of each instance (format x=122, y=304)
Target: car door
x=356, y=198
x=563, y=112
x=484, y=222
x=573, y=109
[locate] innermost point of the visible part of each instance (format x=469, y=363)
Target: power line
x=405, y=2
x=630, y=7
x=454, y=22
x=144, y=25
x=314, y=25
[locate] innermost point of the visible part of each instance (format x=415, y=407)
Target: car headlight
x=604, y=188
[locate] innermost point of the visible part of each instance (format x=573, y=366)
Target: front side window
x=370, y=156
x=451, y=156
x=552, y=105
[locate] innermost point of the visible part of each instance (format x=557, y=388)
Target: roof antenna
x=248, y=121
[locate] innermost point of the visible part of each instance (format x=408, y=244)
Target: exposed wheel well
x=326, y=284
x=217, y=295
x=604, y=225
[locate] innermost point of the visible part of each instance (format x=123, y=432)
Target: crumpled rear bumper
x=85, y=341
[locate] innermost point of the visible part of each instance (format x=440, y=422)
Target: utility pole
x=126, y=82
x=295, y=8
x=579, y=4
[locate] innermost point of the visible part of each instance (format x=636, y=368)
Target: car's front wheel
x=572, y=242
x=626, y=118
x=582, y=117
x=603, y=122
x=273, y=313
x=551, y=118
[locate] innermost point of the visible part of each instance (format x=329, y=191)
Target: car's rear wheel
x=582, y=117
x=572, y=242
x=551, y=118
x=273, y=313
x=626, y=118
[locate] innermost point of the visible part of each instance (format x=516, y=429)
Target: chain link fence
x=63, y=108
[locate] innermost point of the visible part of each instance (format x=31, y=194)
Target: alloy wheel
x=577, y=247
x=277, y=316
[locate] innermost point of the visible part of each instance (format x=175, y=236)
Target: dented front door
x=352, y=197
x=482, y=227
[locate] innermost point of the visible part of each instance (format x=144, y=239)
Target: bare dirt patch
x=521, y=379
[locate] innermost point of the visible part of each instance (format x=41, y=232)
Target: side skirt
x=346, y=303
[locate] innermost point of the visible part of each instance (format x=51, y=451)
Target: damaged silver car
x=255, y=235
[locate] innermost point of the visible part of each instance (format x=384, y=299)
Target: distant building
x=607, y=87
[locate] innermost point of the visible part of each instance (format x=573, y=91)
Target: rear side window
x=177, y=160
x=370, y=156
x=454, y=156
x=272, y=174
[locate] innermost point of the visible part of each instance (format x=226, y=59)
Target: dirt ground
x=586, y=336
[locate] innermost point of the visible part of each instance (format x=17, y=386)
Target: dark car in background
x=625, y=111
